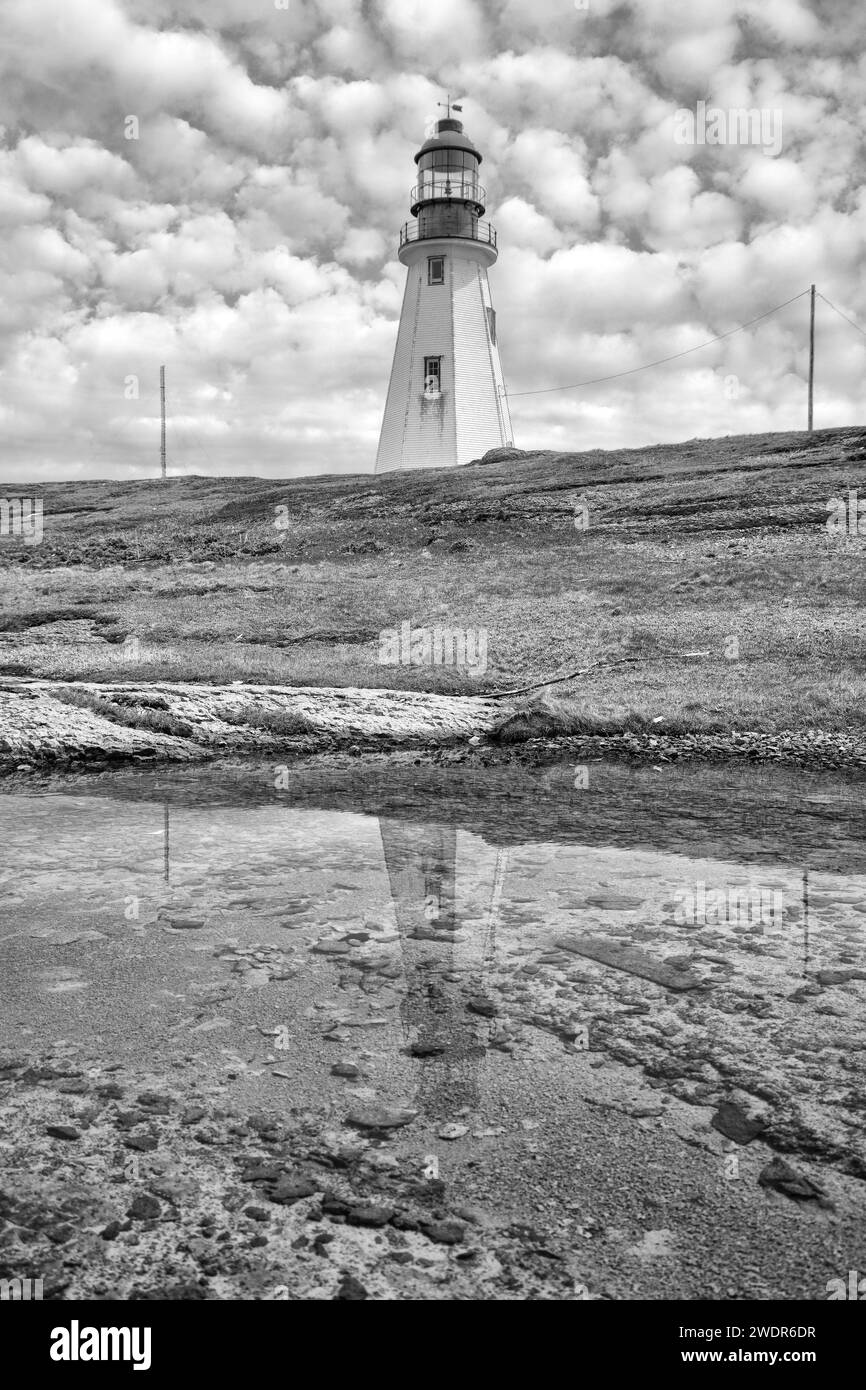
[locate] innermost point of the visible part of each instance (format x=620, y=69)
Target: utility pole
x=811, y=355
x=805, y=922
x=163, y=421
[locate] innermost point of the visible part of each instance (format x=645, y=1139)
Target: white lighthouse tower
x=446, y=399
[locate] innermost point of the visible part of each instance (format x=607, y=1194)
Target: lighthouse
x=446, y=399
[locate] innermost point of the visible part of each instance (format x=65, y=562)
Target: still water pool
x=555, y=982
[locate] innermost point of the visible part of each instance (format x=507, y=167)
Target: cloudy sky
x=218, y=185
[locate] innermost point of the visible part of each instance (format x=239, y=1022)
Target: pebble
x=385, y=1162
x=838, y=977
x=485, y=1007
x=614, y=902
x=734, y=1124
x=379, y=1117
x=144, y=1143
x=144, y=1207
x=780, y=1176
x=452, y=1131
x=193, y=1114
x=444, y=1232
x=468, y=1214
x=369, y=1216
x=110, y=1090
x=262, y=1172
x=63, y=1131
x=289, y=1190
x=350, y=1289
x=155, y=1102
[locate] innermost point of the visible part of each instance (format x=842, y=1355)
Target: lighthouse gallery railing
x=482, y=231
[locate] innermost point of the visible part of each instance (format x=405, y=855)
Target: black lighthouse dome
x=449, y=135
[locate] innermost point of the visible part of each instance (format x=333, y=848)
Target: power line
x=661, y=360
x=841, y=315
x=186, y=434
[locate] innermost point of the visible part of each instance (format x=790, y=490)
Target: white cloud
x=66, y=169
x=553, y=168
x=520, y=224
x=247, y=238
x=778, y=187
x=453, y=29
x=362, y=246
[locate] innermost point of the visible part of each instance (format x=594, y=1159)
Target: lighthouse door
x=432, y=375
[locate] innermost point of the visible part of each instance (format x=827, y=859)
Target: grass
x=132, y=715
x=151, y=711
x=285, y=723
x=716, y=546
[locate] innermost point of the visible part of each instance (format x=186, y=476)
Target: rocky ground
x=237, y=1061
x=114, y=1190
x=73, y=724
x=39, y=723
x=710, y=585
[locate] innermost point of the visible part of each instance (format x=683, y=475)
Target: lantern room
x=448, y=200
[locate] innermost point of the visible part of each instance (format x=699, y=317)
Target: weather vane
x=449, y=105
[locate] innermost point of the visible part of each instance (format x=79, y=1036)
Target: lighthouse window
x=448, y=159
x=491, y=324
x=435, y=270
x=432, y=374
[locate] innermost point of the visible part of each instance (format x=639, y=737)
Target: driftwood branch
x=584, y=671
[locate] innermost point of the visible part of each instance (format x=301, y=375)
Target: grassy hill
x=718, y=547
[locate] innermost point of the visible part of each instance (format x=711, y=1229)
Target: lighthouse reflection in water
x=437, y=959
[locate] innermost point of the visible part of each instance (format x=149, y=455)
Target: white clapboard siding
x=449, y=321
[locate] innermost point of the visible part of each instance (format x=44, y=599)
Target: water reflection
x=672, y=957
x=421, y=861
x=648, y=914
